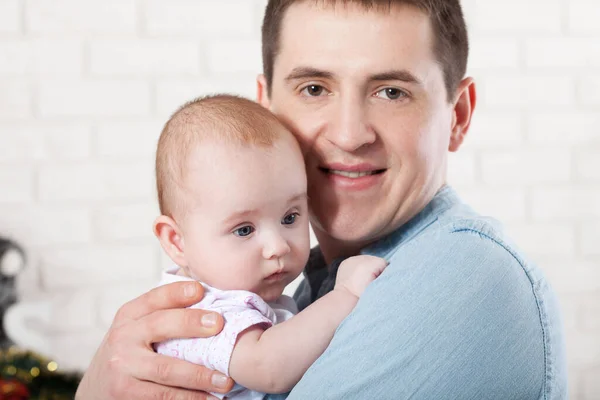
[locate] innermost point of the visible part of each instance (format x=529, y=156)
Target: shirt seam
x=535, y=295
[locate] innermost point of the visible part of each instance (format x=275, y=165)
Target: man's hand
x=355, y=273
x=125, y=365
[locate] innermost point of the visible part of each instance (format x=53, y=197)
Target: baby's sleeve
x=215, y=352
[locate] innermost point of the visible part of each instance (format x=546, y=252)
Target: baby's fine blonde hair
x=226, y=118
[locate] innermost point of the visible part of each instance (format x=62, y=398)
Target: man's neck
x=333, y=248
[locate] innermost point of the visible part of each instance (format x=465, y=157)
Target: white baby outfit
x=240, y=310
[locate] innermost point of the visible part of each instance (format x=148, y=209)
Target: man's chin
x=347, y=232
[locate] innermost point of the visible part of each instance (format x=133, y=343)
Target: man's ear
x=262, y=92
x=171, y=239
x=463, y=111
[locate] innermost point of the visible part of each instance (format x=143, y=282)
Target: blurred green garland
x=27, y=375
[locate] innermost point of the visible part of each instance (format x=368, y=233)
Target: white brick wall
x=85, y=87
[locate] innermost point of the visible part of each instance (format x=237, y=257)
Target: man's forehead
x=331, y=37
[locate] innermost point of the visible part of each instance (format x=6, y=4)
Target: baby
x=232, y=193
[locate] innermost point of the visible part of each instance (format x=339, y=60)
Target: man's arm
x=125, y=365
x=455, y=315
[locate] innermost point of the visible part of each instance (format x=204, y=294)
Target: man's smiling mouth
x=352, y=174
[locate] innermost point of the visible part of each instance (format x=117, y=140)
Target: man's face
x=364, y=95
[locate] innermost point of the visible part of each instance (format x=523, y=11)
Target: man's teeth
x=350, y=174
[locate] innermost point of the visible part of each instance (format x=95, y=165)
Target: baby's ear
x=171, y=239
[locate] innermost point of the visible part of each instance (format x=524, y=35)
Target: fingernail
x=219, y=380
x=190, y=290
x=209, y=320
x=211, y=398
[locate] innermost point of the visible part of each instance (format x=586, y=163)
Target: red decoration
x=13, y=390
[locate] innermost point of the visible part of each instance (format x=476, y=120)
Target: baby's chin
x=271, y=294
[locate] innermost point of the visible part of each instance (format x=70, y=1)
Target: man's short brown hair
x=225, y=118
x=451, y=46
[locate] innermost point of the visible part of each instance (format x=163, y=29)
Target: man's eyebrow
x=307, y=72
x=396, y=75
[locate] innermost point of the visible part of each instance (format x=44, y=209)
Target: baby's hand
x=355, y=273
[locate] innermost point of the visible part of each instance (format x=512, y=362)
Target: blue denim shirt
x=460, y=313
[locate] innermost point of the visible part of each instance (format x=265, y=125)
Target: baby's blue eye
x=289, y=219
x=243, y=231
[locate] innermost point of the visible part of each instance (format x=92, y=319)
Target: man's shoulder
x=456, y=237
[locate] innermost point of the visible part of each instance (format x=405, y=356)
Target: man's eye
x=289, y=219
x=391, y=93
x=314, y=90
x=243, y=231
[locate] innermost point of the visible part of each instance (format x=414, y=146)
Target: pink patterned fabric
x=241, y=310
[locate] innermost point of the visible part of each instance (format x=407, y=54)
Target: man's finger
x=173, y=295
x=171, y=371
x=177, y=323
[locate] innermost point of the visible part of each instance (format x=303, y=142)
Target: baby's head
x=231, y=187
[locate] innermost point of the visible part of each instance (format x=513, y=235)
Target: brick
x=491, y=130
x=126, y=222
x=95, y=181
x=73, y=16
x=589, y=90
x=571, y=277
x=590, y=309
x=10, y=16
x=41, y=56
x=111, y=299
x=71, y=311
x=562, y=53
x=524, y=167
x=128, y=139
x=15, y=99
x=48, y=226
x=528, y=91
x=139, y=57
x=234, y=56
x=587, y=165
x=513, y=16
x=259, y=13
x=491, y=53
x=502, y=204
x=461, y=168
x=94, y=98
x=16, y=184
x=590, y=381
x=47, y=141
x=570, y=307
x=563, y=204
x=583, y=17
x=584, y=350
x=544, y=239
x=199, y=18
x=74, y=351
x=563, y=128
x=171, y=94
x=590, y=238
x=96, y=265
x=20, y=144
x=67, y=142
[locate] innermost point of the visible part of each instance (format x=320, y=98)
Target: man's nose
x=350, y=129
x=275, y=246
